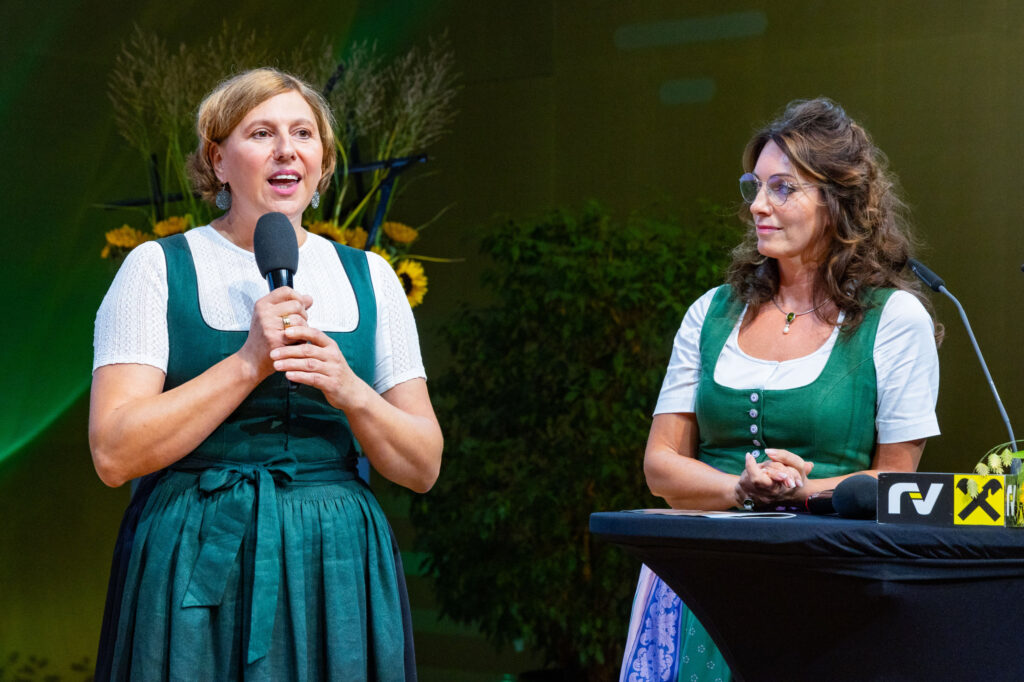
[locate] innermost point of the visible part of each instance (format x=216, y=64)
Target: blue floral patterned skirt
x=666, y=642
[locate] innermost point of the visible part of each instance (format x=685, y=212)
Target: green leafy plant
x=546, y=412
x=17, y=668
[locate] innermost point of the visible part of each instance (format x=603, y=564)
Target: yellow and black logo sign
x=984, y=509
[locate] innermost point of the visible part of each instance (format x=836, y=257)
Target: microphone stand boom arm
x=984, y=367
x=935, y=283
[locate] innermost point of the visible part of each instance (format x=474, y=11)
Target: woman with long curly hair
x=816, y=361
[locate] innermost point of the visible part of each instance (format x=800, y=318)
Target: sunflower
x=413, y=280
x=172, y=225
x=328, y=230
x=356, y=238
x=400, y=233
x=383, y=253
x=123, y=240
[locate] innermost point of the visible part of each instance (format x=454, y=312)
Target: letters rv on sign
x=923, y=506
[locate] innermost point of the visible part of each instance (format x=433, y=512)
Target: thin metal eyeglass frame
x=773, y=196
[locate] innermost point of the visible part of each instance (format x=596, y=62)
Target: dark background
x=636, y=104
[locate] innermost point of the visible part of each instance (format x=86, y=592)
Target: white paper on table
x=715, y=514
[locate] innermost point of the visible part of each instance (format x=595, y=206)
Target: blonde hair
x=230, y=102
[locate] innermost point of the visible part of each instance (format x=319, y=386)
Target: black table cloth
x=825, y=598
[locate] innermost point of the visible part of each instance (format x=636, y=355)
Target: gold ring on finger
x=286, y=322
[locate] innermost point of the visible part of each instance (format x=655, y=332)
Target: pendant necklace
x=792, y=316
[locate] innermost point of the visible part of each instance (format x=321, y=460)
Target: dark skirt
x=176, y=609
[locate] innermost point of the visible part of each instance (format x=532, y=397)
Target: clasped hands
x=779, y=480
x=281, y=340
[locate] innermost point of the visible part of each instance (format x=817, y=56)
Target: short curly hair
x=230, y=102
x=867, y=230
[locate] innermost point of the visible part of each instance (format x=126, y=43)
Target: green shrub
x=546, y=413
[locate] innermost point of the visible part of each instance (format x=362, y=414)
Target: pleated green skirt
x=245, y=577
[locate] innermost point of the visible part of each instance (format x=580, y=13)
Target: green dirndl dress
x=830, y=421
x=260, y=555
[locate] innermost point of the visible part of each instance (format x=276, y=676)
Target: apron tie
x=239, y=486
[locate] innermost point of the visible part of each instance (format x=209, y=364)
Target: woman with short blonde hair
x=251, y=550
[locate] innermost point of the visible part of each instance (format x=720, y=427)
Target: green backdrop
x=632, y=103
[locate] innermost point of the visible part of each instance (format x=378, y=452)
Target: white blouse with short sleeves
x=131, y=324
x=906, y=364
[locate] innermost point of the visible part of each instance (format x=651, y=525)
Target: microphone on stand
x=935, y=283
x=855, y=497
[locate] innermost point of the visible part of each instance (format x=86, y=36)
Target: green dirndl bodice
x=830, y=421
x=260, y=555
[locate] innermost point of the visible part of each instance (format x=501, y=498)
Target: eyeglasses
x=777, y=188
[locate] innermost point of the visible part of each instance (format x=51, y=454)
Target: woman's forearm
x=135, y=428
x=399, y=433
x=397, y=429
x=673, y=472
x=687, y=483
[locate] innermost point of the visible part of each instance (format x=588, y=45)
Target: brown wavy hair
x=230, y=102
x=867, y=230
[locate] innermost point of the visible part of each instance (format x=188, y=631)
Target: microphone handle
x=984, y=367
x=282, y=278
x=279, y=278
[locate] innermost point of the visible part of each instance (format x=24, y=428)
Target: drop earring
x=315, y=200
x=223, y=199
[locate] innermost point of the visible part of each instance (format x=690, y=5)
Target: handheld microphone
x=277, y=253
x=935, y=283
x=276, y=249
x=855, y=497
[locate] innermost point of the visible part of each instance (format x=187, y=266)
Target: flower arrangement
x=122, y=240
x=125, y=238
x=998, y=461
x=393, y=108
x=394, y=250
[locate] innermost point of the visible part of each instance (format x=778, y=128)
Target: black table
x=825, y=598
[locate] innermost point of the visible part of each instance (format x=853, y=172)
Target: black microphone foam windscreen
x=924, y=274
x=275, y=245
x=856, y=497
